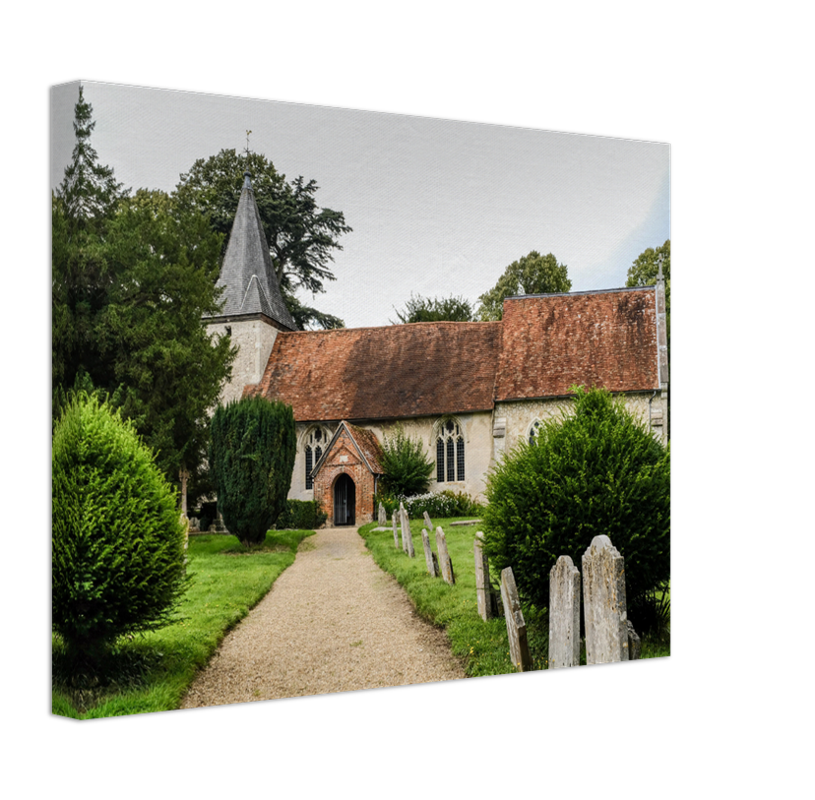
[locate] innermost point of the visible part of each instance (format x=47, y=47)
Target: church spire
x=247, y=275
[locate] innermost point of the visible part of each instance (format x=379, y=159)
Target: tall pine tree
x=132, y=276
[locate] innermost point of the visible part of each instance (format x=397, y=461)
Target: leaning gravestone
x=427, y=521
x=634, y=643
x=445, y=562
x=482, y=579
x=395, y=535
x=383, y=517
x=407, y=539
x=564, y=614
x=516, y=626
x=604, y=603
x=429, y=555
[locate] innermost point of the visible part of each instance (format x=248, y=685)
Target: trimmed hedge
x=301, y=515
x=117, y=542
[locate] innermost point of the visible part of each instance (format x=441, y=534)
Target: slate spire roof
x=247, y=274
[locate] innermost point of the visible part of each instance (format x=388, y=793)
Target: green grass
x=482, y=646
x=151, y=672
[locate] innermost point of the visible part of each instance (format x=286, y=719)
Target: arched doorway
x=345, y=500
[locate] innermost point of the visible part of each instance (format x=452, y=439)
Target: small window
x=533, y=431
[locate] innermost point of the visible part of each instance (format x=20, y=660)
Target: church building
x=469, y=391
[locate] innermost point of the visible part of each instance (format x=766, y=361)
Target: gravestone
x=427, y=521
x=564, y=614
x=445, y=562
x=383, y=517
x=634, y=643
x=516, y=626
x=395, y=535
x=604, y=603
x=432, y=564
x=407, y=539
x=482, y=579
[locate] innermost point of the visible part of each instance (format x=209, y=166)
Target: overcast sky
x=437, y=207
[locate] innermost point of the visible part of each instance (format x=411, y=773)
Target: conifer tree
x=251, y=458
x=88, y=192
x=132, y=276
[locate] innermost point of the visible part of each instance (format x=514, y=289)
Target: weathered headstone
x=604, y=603
x=407, y=539
x=428, y=555
x=634, y=643
x=516, y=626
x=564, y=614
x=395, y=535
x=445, y=562
x=427, y=521
x=383, y=517
x=482, y=579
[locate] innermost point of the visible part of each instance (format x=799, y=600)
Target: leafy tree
x=437, y=309
x=302, y=237
x=117, y=543
x=596, y=470
x=644, y=272
x=251, y=459
x=407, y=468
x=131, y=278
x=532, y=274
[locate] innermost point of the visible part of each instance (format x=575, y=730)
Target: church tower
x=253, y=308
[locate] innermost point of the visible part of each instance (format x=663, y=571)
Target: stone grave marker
x=383, y=517
x=634, y=643
x=407, y=538
x=516, y=626
x=427, y=521
x=445, y=562
x=395, y=535
x=482, y=579
x=564, y=614
x=604, y=603
x=429, y=555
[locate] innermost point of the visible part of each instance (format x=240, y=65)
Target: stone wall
x=254, y=338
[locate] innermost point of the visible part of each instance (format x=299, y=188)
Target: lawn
x=482, y=646
x=152, y=672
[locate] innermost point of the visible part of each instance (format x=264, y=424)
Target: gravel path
x=333, y=622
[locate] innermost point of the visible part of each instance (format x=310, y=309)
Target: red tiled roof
x=544, y=346
x=421, y=369
x=552, y=342
x=369, y=446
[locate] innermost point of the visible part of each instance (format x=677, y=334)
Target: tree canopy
x=436, y=309
x=131, y=280
x=302, y=236
x=532, y=274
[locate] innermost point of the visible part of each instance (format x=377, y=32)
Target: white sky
x=437, y=207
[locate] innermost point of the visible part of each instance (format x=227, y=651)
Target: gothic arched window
x=449, y=451
x=315, y=443
x=533, y=431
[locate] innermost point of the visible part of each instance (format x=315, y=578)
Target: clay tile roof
x=421, y=369
x=552, y=342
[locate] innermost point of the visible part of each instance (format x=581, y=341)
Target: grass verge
x=482, y=646
x=153, y=671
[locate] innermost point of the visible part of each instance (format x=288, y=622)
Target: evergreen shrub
x=406, y=465
x=251, y=460
x=595, y=471
x=117, y=543
x=301, y=515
